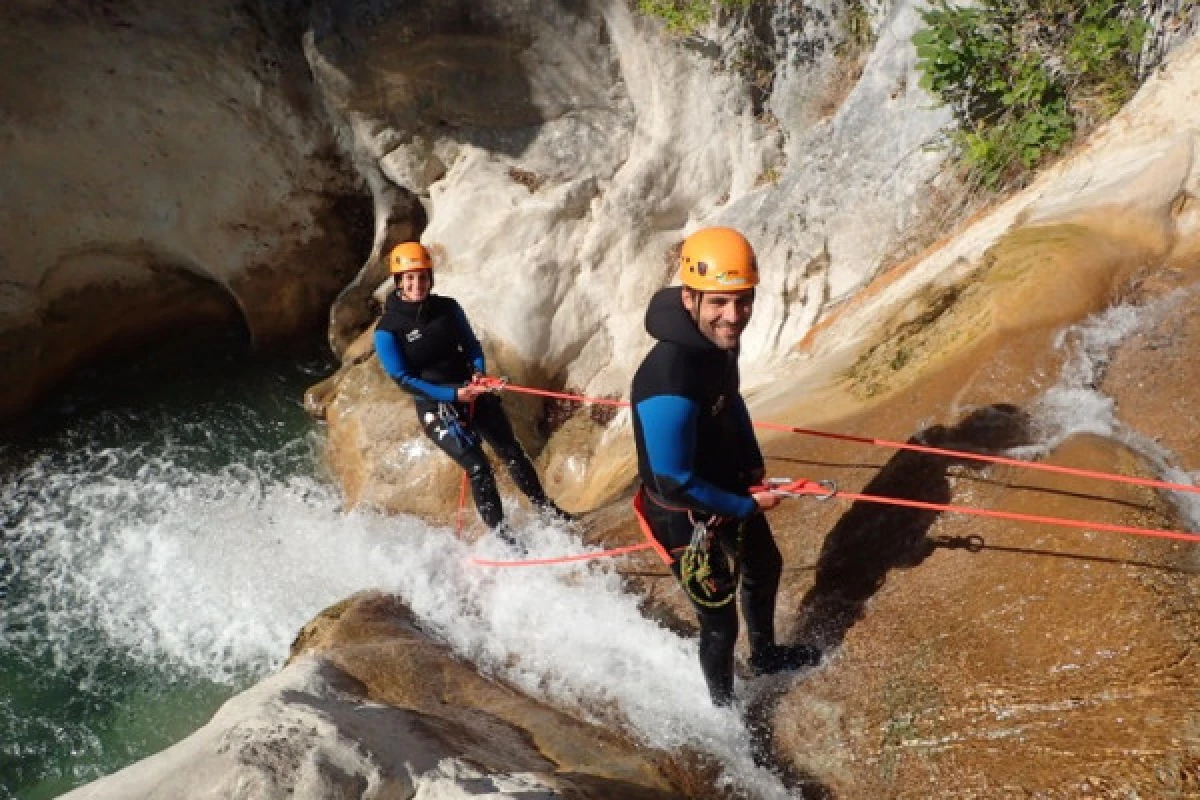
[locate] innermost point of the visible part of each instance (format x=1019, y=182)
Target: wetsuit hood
x=667, y=320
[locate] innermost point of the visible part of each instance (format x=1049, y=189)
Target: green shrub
x=685, y=16
x=1022, y=76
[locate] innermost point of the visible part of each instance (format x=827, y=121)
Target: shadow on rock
x=871, y=539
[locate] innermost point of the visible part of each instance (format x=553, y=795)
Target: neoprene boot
x=783, y=657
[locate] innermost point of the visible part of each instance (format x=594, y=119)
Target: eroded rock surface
x=370, y=707
x=168, y=174
x=592, y=142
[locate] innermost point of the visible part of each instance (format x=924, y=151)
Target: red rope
x=806, y=487
x=536, y=562
x=1014, y=462
x=462, y=502
x=918, y=448
x=462, y=486
x=810, y=487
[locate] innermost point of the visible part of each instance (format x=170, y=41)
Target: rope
x=650, y=544
x=917, y=448
x=1013, y=462
x=462, y=486
x=806, y=487
x=825, y=490
x=537, y=562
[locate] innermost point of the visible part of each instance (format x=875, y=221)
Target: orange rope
x=918, y=448
x=1014, y=462
x=537, y=562
x=462, y=502
x=806, y=487
x=650, y=544
x=462, y=487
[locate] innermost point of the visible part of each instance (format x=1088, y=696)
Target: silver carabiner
x=830, y=489
x=777, y=485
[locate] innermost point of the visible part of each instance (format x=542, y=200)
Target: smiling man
x=698, y=456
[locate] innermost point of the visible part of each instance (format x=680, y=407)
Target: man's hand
x=766, y=500
x=468, y=393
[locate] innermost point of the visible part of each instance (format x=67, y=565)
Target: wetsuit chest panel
x=708, y=379
x=430, y=337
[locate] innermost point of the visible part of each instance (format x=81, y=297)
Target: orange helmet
x=408, y=256
x=718, y=260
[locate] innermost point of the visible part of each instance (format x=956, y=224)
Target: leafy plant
x=681, y=16
x=1022, y=76
x=685, y=16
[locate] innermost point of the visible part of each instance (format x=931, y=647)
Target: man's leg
x=471, y=458
x=762, y=566
x=718, y=637
x=715, y=610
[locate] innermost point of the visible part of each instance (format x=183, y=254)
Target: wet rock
x=369, y=707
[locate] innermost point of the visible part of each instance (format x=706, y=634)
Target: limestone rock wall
x=167, y=172
x=561, y=155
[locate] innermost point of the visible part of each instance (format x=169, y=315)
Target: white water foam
x=1075, y=405
x=215, y=573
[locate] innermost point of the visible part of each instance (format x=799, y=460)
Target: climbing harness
x=452, y=424
x=696, y=570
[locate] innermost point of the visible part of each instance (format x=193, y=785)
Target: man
x=426, y=345
x=698, y=456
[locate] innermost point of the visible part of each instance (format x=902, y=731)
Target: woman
x=427, y=346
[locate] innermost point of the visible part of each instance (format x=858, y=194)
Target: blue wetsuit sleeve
x=394, y=365
x=474, y=349
x=751, y=453
x=668, y=425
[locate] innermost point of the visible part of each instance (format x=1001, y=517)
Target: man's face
x=415, y=284
x=720, y=316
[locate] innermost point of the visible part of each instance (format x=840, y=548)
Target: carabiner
x=830, y=489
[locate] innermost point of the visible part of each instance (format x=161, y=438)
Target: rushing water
x=130, y=504
x=159, y=555
x=1076, y=405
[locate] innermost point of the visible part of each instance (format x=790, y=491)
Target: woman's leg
x=492, y=423
x=467, y=452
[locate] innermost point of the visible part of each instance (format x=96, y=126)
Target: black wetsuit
x=429, y=349
x=697, y=454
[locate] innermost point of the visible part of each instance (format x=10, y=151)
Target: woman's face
x=415, y=284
